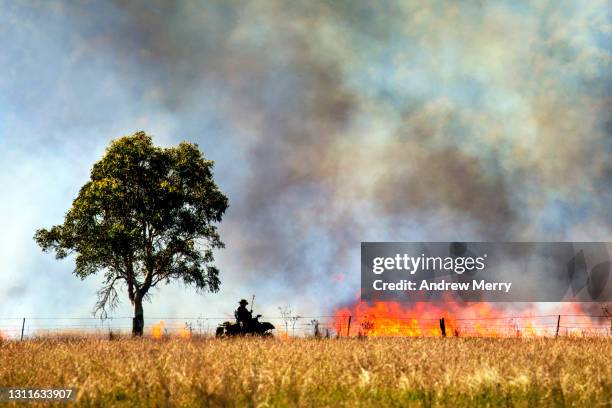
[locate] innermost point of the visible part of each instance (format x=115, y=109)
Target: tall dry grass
x=338, y=372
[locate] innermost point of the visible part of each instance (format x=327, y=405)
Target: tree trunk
x=138, y=321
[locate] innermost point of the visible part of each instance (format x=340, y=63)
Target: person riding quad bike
x=244, y=317
x=245, y=324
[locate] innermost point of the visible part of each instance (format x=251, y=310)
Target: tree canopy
x=147, y=215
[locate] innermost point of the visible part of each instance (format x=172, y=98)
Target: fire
x=157, y=330
x=424, y=319
x=391, y=319
x=185, y=332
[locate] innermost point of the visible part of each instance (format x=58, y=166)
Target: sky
x=330, y=123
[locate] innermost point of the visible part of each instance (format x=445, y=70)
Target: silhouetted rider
x=243, y=315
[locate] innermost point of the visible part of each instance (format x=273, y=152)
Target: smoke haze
x=330, y=123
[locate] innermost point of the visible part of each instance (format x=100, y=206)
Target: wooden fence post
x=22, y=327
x=348, y=329
x=442, y=327
x=558, y=322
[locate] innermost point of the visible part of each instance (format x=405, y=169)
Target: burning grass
x=423, y=319
x=308, y=372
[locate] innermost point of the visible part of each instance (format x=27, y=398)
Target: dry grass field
x=306, y=372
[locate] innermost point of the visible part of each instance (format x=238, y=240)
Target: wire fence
x=574, y=325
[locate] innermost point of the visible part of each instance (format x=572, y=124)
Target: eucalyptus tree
x=147, y=216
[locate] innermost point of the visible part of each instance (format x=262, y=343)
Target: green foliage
x=146, y=216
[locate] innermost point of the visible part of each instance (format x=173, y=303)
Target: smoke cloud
x=331, y=123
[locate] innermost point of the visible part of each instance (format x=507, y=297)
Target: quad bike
x=255, y=328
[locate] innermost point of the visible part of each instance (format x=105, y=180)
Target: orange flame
x=157, y=330
x=185, y=332
x=392, y=319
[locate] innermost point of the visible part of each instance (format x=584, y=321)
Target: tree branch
x=107, y=299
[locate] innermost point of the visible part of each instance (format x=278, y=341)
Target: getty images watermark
x=486, y=271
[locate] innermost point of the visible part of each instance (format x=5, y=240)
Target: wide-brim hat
x=243, y=302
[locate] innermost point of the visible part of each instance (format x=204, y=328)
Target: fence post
x=558, y=322
x=348, y=329
x=442, y=327
x=22, y=327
